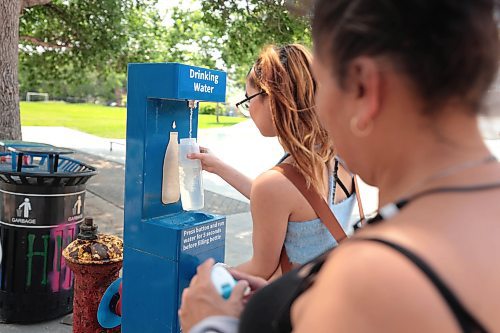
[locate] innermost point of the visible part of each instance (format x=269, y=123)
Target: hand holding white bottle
x=190, y=178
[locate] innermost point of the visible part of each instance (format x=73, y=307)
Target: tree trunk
x=10, y=123
x=118, y=96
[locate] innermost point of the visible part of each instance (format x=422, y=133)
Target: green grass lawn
x=103, y=121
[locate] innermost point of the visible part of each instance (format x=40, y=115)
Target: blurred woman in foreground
x=400, y=85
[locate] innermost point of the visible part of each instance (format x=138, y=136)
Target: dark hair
x=447, y=48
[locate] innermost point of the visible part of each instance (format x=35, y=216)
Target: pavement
x=239, y=145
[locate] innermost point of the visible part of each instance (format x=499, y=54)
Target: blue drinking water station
x=163, y=244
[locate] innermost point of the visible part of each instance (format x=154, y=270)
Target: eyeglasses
x=244, y=105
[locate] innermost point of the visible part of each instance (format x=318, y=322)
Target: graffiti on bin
x=42, y=226
x=54, y=270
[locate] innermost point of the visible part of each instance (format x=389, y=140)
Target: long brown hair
x=284, y=74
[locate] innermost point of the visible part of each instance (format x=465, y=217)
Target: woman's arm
x=236, y=179
x=271, y=200
x=233, y=177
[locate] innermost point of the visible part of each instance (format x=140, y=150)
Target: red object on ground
x=96, y=261
x=91, y=281
x=8, y=159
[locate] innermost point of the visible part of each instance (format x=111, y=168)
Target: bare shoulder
x=365, y=286
x=271, y=183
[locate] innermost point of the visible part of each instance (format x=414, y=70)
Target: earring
x=361, y=133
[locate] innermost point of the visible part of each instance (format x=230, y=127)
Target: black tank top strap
x=283, y=158
x=269, y=309
x=466, y=320
x=338, y=181
x=335, y=174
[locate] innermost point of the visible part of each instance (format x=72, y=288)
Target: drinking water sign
x=201, y=84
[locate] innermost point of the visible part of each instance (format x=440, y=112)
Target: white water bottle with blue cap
x=222, y=280
x=190, y=178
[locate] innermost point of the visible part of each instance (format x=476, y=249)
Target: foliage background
x=79, y=49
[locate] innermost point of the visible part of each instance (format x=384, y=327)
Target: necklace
x=393, y=208
x=454, y=169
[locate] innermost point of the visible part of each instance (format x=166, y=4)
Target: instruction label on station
x=203, y=237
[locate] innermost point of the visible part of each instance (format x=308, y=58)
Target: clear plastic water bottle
x=190, y=179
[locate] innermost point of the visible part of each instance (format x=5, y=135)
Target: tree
x=57, y=39
x=62, y=38
x=10, y=125
x=246, y=26
x=72, y=43
x=149, y=36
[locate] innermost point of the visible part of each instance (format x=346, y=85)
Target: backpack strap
x=358, y=198
x=317, y=203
